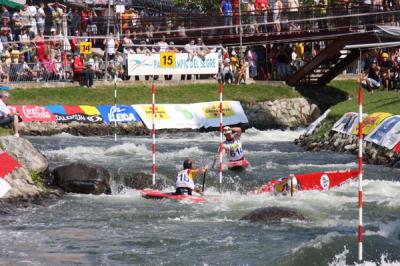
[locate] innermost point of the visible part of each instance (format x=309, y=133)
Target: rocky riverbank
x=278, y=114
x=25, y=181
x=338, y=142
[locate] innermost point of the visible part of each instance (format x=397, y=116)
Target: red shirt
x=79, y=65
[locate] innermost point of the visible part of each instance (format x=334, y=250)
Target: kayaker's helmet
x=187, y=164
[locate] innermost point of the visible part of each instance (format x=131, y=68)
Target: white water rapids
x=125, y=229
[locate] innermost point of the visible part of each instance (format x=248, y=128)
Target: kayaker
x=285, y=185
x=232, y=145
x=186, y=178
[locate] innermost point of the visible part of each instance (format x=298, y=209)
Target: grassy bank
x=188, y=93
x=379, y=101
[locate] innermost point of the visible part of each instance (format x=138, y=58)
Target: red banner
x=396, y=148
x=33, y=113
x=7, y=164
x=71, y=110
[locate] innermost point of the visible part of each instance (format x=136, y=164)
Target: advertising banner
x=89, y=110
x=195, y=115
x=179, y=63
x=70, y=110
x=313, y=125
x=371, y=121
x=32, y=113
x=56, y=109
x=81, y=118
x=387, y=134
x=346, y=123
x=120, y=113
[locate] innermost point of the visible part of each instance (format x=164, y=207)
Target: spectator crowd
x=42, y=42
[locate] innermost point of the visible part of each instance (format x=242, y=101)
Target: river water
x=125, y=229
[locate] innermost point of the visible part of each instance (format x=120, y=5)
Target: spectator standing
x=111, y=45
x=387, y=71
x=226, y=10
x=26, y=16
x=40, y=45
x=277, y=12
x=40, y=18
x=5, y=13
x=33, y=10
x=74, y=21
x=252, y=60
x=7, y=117
x=54, y=44
x=17, y=24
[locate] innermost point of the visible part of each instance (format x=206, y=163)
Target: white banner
x=387, y=134
x=195, y=115
x=346, y=123
x=182, y=63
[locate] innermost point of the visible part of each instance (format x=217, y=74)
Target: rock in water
x=270, y=215
x=142, y=181
x=82, y=178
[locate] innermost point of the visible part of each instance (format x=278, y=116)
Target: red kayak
x=156, y=194
x=237, y=165
x=315, y=181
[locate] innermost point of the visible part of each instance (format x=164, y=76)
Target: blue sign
x=119, y=113
x=56, y=109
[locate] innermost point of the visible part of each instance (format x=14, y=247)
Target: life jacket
x=234, y=149
x=184, y=179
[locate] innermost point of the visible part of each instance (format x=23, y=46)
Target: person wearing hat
x=185, y=179
x=232, y=145
x=7, y=117
x=387, y=71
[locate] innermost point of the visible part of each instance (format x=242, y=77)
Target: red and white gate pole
x=153, y=132
x=220, y=133
x=360, y=174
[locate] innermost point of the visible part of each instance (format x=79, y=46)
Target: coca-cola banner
x=33, y=113
x=81, y=118
x=119, y=113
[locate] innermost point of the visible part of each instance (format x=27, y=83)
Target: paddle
x=291, y=186
x=204, y=180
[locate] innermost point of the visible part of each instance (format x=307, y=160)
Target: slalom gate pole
x=360, y=174
x=220, y=132
x=153, y=132
x=115, y=107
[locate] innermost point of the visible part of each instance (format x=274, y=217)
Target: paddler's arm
x=237, y=130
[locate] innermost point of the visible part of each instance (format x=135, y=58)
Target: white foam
x=340, y=260
x=255, y=135
x=301, y=165
x=318, y=241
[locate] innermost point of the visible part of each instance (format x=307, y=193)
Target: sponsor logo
x=325, y=182
x=117, y=114
x=37, y=112
x=78, y=118
x=212, y=110
x=160, y=112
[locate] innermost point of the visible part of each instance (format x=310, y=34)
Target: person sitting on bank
x=186, y=178
x=7, y=117
x=371, y=80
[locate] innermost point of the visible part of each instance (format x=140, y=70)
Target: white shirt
x=4, y=111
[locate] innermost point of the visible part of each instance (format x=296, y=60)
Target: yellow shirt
x=299, y=49
x=15, y=55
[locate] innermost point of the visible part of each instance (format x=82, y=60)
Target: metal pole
x=240, y=28
x=220, y=133
x=153, y=131
x=115, y=107
x=108, y=33
x=360, y=175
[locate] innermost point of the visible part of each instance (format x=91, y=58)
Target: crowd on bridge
x=41, y=42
